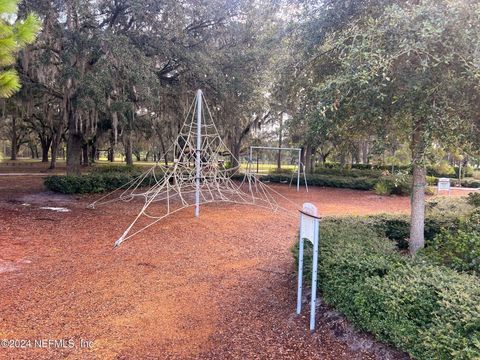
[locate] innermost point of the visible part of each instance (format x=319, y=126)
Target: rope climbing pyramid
x=197, y=176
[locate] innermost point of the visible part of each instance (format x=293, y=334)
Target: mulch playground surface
x=218, y=287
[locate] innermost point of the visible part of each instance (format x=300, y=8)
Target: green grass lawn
x=266, y=168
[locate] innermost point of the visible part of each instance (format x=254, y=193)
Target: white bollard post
x=300, y=268
x=309, y=229
x=313, y=304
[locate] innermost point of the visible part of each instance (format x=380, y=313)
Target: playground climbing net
x=197, y=176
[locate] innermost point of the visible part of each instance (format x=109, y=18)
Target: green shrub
x=406, y=168
x=429, y=190
x=470, y=183
x=448, y=208
x=92, y=183
x=396, y=184
x=442, y=169
x=358, y=183
x=114, y=168
x=458, y=248
x=429, y=311
x=383, y=188
x=467, y=171
x=431, y=180
x=441, y=213
x=349, y=172
x=281, y=171
x=474, y=199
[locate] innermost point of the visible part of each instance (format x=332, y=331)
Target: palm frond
x=9, y=83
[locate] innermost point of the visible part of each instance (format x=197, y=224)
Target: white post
x=300, y=268
x=309, y=229
x=250, y=159
x=298, y=171
x=198, y=153
x=313, y=303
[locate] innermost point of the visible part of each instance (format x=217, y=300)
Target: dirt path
x=217, y=287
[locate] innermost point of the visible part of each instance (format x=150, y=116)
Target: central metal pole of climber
x=198, y=157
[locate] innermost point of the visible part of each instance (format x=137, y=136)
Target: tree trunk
x=417, y=220
x=111, y=149
x=323, y=158
x=54, y=152
x=417, y=227
x=85, y=154
x=137, y=155
x=13, y=154
x=164, y=151
x=93, y=152
x=74, y=141
x=312, y=160
x=279, y=156
x=33, y=150
x=56, y=139
x=308, y=159
x=365, y=152
x=235, y=154
x=128, y=147
x=343, y=160
x=74, y=153
x=45, y=144
x=111, y=154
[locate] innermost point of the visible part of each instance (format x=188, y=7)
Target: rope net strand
x=167, y=189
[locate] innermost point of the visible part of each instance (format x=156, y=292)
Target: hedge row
x=397, y=227
x=441, y=213
x=431, y=170
x=471, y=183
x=92, y=183
x=428, y=311
x=371, y=173
x=359, y=183
x=390, y=184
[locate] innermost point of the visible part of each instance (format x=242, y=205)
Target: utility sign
x=308, y=221
x=443, y=184
x=309, y=229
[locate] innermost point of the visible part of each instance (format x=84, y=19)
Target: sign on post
x=309, y=230
x=443, y=184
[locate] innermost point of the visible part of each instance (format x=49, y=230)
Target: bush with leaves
x=358, y=183
x=96, y=182
x=112, y=168
x=428, y=311
x=383, y=188
x=458, y=248
x=354, y=172
x=474, y=199
x=398, y=183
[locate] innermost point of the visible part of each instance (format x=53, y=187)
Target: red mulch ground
x=218, y=287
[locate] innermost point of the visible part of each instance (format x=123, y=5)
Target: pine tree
x=14, y=35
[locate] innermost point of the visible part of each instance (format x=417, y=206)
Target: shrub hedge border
x=428, y=311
